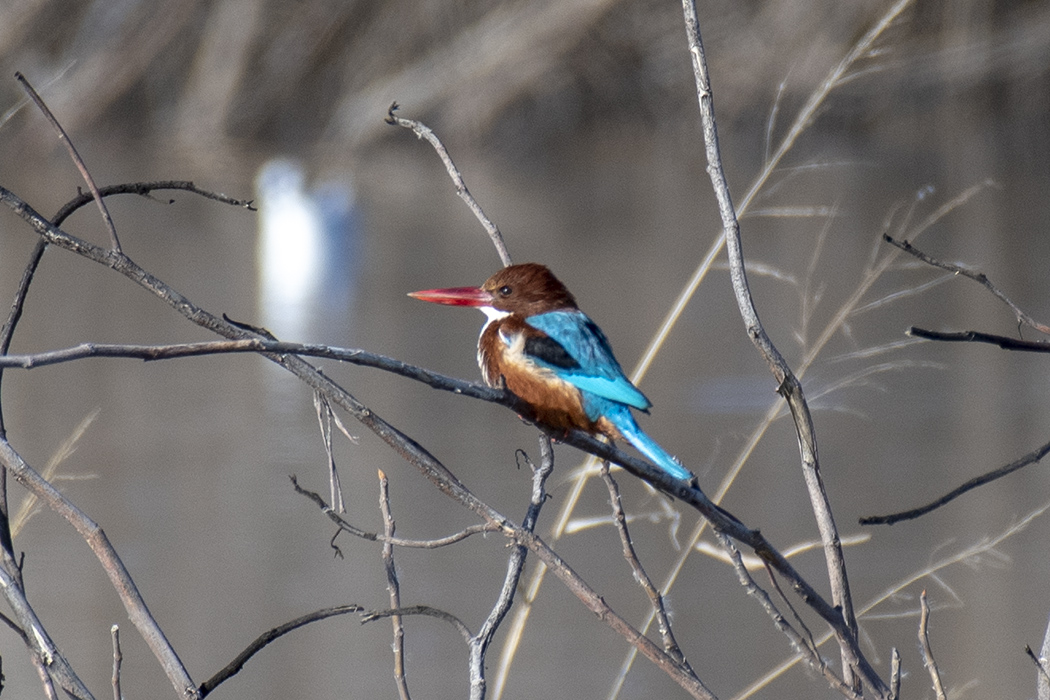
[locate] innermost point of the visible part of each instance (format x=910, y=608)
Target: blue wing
x=576, y=351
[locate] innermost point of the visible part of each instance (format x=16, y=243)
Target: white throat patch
x=493, y=314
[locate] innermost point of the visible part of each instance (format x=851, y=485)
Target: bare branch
x=812, y=643
x=143, y=189
x=324, y=420
x=640, y=575
x=479, y=644
x=895, y=674
x=789, y=385
x=50, y=662
x=426, y=610
x=927, y=650
x=988, y=477
x=77, y=160
x=237, y=664
x=45, y=679
x=422, y=131
x=393, y=586
x=805, y=648
x=118, y=659
x=978, y=337
x=979, y=277
x=396, y=541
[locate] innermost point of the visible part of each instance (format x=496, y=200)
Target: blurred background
x=576, y=127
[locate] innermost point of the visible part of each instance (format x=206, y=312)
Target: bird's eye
x=504, y=291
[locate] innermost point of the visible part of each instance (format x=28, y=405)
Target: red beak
x=455, y=296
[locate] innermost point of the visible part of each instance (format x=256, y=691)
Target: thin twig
x=393, y=587
x=324, y=420
x=396, y=541
x=77, y=160
x=1039, y=663
x=655, y=599
x=45, y=679
x=144, y=189
x=479, y=643
x=804, y=650
x=373, y=615
x=810, y=641
x=978, y=337
x=1030, y=458
x=265, y=638
x=979, y=277
x=118, y=659
x=895, y=674
x=789, y=385
x=927, y=650
x=50, y=662
x=424, y=132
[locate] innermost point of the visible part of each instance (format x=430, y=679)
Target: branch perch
x=789, y=386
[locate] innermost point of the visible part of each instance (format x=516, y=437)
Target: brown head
x=526, y=290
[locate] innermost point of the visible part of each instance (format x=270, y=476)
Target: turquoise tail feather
x=620, y=416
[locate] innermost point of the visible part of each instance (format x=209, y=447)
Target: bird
x=539, y=345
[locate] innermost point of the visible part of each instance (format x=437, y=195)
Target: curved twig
x=265, y=638
x=979, y=277
x=77, y=160
x=424, y=132
x=143, y=189
x=426, y=610
x=1030, y=458
x=396, y=541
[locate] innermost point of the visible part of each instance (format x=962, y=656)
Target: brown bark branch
x=790, y=387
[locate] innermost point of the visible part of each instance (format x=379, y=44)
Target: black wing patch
x=550, y=351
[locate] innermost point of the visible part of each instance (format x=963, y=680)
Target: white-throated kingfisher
x=549, y=354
